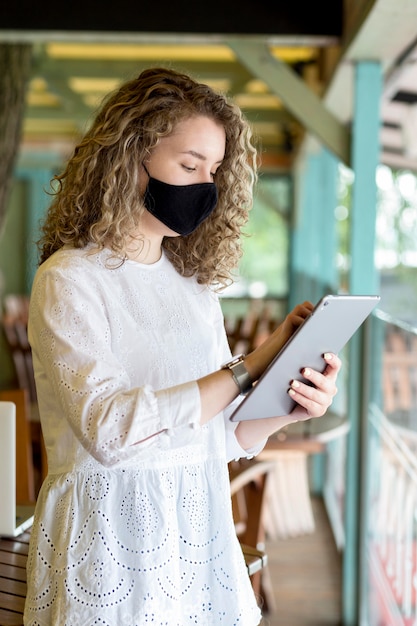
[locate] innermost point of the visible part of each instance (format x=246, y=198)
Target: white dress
x=131, y=528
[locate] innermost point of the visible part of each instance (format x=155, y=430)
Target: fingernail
x=306, y=372
x=291, y=392
x=328, y=356
x=295, y=384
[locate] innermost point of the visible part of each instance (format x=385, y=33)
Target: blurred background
x=331, y=95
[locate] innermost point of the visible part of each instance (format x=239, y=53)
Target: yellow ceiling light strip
x=92, y=100
x=222, y=85
x=84, y=85
x=38, y=95
x=257, y=101
x=256, y=86
x=49, y=126
x=124, y=52
x=34, y=99
x=167, y=52
x=270, y=129
x=93, y=84
x=294, y=54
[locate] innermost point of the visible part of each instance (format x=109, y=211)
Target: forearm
x=250, y=433
x=218, y=390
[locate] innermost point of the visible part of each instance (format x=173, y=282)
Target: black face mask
x=180, y=207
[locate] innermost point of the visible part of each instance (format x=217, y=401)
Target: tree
x=15, y=63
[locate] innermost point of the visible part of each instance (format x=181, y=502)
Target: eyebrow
x=198, y=155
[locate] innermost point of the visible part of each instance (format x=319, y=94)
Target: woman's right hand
x=257, y=361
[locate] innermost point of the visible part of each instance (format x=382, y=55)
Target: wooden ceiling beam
x=296, y=96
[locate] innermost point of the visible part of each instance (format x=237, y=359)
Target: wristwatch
x=240, y=373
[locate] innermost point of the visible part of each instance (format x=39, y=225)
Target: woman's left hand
x=314, y=400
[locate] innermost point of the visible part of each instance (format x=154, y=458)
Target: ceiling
x=71, y=77
x=73, y=69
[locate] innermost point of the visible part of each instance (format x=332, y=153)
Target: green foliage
x=265, y=245
x=396, y=236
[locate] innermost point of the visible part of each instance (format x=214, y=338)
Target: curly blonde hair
x=97, y=201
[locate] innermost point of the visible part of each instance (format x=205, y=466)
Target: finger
x=325, y=381
x=314, y=409
x=333, y=363
x=306, y=305
x=314, y=401
x=322, y=394
x=303, y=310
x=299, y=314
x=321, y=391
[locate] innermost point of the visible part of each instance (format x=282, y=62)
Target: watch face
x=236, y=359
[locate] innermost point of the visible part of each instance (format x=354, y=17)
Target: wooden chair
x=25, y=483
x=246, y=332
x=14, y=323
x=248, y=479
x=288, y=510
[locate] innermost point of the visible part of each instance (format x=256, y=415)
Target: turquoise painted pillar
x=313, y=234
x=38, y=180
x=327, y=227
x=363, y=279
x=314, y=245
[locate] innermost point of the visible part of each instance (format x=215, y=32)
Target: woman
x=133, y=524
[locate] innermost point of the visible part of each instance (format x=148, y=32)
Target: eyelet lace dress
x=133, y=524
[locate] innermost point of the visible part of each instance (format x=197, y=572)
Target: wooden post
x=15, y=62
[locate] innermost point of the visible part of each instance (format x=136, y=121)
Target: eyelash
x=194, y=169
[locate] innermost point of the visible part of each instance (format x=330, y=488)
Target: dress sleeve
x=234, y=450
x=79, y=376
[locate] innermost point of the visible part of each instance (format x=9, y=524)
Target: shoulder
x=69, y=274
x=71, y=263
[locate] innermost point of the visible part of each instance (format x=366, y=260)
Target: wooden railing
x=390, y=515
x=392, y=529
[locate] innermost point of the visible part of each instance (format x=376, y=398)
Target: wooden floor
x=305, y=574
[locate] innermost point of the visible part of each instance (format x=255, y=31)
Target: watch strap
x=240, y=373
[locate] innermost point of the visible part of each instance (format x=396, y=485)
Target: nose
x=206, y=175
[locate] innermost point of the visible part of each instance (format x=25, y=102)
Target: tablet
x=328, y=328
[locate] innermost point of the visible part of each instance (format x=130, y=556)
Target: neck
x=146, y=250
